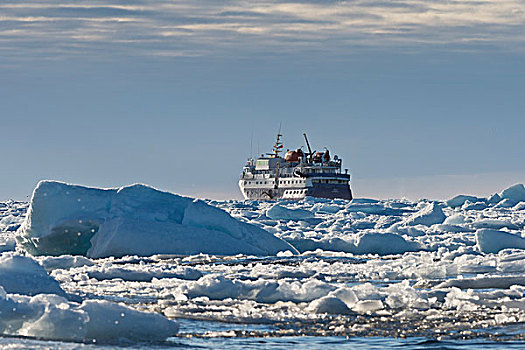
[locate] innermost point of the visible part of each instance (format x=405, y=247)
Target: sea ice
x=494, y=224
x=444, y=276
x=329, y=305
x=457, y=219
x=50, y=316
x=109, y=322
x=492, y=241
x=514, y=193
x=368, y=306
x=384, y=244
x=278, y=212
x=134, y=220
x=23, y=275
x=32, y=303
x=429, y=215
x=459, y=200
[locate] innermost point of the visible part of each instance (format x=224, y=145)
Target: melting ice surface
x=390, y=269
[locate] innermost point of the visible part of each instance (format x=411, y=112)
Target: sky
x=420, y=98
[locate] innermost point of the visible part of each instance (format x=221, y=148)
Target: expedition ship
x=297, y=175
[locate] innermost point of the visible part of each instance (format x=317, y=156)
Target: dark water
x=216, y=335
x=208, y=331
x=296, y=343
x=323, y=343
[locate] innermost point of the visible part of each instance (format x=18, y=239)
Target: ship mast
x=278, y=144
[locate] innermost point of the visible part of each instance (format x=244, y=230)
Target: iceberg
x=134, y=220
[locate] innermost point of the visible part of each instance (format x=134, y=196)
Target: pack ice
x=134, y=220
x=395, y=267
x=33, y=304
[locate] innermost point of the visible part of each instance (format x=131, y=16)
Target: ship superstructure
x=297, y=175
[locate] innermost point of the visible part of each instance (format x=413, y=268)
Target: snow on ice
x=368, y=267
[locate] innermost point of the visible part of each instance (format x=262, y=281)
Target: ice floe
x=278, y=212
x=23, y=275
x=428, y=216
x=49, y=316
x=514, y=193
x=492, y=241
x=33, y=304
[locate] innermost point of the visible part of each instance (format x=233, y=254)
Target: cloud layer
x=105, y=28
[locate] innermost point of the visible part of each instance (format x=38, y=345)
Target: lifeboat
x=293, y=156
